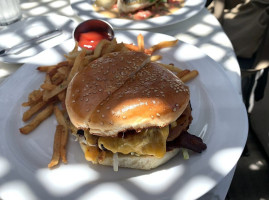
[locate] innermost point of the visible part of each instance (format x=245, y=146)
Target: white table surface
x=202, y=30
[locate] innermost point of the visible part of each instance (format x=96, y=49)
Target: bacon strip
x=188, y=141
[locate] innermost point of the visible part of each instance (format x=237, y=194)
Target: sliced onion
x=185, y=154
x=115, y=162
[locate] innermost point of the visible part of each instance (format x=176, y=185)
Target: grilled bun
x=135, y=162
x=98, y=81
x=132, y=95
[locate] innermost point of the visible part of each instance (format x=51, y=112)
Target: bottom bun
x=136, y=162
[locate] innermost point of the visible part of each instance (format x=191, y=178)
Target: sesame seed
x=98, y=111
x=174, y=109
x=103, y=116
x=123, y=117
x=158, y=114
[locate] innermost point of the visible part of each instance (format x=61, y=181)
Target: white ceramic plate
x=219, y=117
x=30, y=27
x=85, y=10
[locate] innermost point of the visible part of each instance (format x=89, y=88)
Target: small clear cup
x=10, y=11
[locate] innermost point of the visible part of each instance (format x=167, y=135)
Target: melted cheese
x=148, y=142
x=94, y=154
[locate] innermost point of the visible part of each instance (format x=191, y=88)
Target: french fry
x=56, y=146
x=63, y=70
x=61, y=96
x=190, y=76
x=31, y=102
x=46, y=68
x=140, y=43
x=59, y=88
x=57, y=78
x=132, y=47
x=155, y=58
x=40, y=117
x=75, y=49
x=62, y=64
x=47, y=79
x=110, y=48
x=59, y=116
x=171, y=68
x=183, y=73
x=64, y=137
x=99, y=48
x=162, y=45
x=35, y=95
x=33, y=110
x=47, y=86
x=77, y=65
x=33, y=98
x=71, y=56
x=120, y=47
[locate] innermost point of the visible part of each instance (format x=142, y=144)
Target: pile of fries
x=50, y=97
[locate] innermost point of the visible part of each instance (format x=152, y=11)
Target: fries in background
x=51, y=94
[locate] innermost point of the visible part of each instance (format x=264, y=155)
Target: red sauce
x=90, y=39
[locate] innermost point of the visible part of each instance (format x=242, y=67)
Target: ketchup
x=90, y=39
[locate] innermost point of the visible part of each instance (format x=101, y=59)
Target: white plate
x=219, y=117
x=85, y=10
x=30, y=27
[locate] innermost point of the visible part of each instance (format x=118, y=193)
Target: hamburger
x=129, y=112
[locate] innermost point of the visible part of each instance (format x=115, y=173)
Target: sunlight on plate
x=203, y=183
x=108, y=190
x=158, y=181
x=222, y=161
x=16, y=189
x=66, y=179
x=185, y=52
x=3, y=72
x=4, y=167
